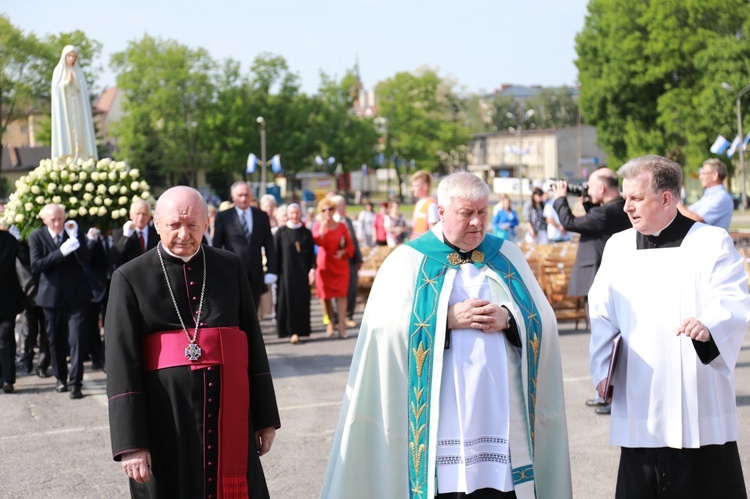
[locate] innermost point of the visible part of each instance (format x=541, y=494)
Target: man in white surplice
x=455, y=388
x=676, y=292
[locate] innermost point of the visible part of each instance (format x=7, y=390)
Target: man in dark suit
x=136, y=237
x=604, y=216
x=98, y=272
x=58, y=255
x=11, y=303
x=244, y=230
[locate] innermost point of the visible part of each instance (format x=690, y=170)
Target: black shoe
x=61, y=386
x=595, y=403
x=75, y=394
x=604, y=410
x=8, y=387
x=96, y=364
x=41, y=372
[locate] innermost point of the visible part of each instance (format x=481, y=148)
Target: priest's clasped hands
x=478, y=314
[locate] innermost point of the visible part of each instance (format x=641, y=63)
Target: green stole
x=435, y=265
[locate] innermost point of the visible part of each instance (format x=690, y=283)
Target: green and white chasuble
x=386, y=439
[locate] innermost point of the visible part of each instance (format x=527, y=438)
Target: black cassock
x=172, y=412
x=295, y=256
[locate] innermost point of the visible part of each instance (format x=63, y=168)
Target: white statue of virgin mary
x=72, y=124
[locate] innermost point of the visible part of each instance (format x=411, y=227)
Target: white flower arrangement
x=94, y=194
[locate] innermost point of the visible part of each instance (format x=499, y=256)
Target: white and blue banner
x=720, y=145
x=252, y=162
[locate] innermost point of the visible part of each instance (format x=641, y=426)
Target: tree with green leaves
x=651, y=74
x=426, y=120
x=169, y=91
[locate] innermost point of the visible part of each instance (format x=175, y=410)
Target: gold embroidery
x=454, y=259
x=420, y=355
x=477, y=256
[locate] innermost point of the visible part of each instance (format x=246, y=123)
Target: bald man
x=191, y=401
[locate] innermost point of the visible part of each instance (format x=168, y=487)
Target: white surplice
x=664, y=396
x=473, y=434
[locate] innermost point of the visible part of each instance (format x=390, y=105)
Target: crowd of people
x=458, y=347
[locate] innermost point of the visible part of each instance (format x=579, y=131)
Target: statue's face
x=70, y=58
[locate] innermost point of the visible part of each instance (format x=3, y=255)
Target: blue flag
x=276, y=164
x=720, y=145
x=734, y=146
x=252, y=162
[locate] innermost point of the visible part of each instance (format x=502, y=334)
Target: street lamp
x=262, y=124
x=728, y=87
x=518, y=129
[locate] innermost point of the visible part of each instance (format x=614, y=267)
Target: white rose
x=88, y=164
x=113, y=189
x=73, y=200
x=35, y=189
x=113, y=176
x=123, y=212
x=39, y=200
x=145, y=195
x=87, y=196
x=67, y=188
x=72, y=213
x=104, y=162
x=72, y=177
x=98, y=200
x=123, y=200
x=120, y=164
x=77, y=186
x=134, y=173
x=115, y=215
x=107, y=201
x=73, y=168
x=51, y=188
x=84, y=175
x=90, y=187
x=134, y=185
x=101, y=189
x=123, y=175
x=64, y=174
x=93, y=210
x=53, y=175
x=123, y=190
x=101, y=211
x=82, y=211
x=56, y=199
x=31, y=177
x=19, y=218
x=143, y=185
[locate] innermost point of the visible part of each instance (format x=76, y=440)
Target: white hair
x=462, y=185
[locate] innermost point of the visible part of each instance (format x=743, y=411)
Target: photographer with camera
x=604, y=216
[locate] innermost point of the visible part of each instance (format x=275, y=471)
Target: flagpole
x=743, y=191
x=263, y=165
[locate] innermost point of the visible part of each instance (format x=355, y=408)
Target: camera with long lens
x=578, y=189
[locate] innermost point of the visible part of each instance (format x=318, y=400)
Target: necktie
x=243, y=223
x=58, y=240
x=140, y=240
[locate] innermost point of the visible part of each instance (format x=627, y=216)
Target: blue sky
x=480, y=44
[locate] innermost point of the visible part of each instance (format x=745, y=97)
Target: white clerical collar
x=658, y=233
x=183, y=258
x=293, y=226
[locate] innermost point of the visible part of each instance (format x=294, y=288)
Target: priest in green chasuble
x=191, y=400
x=455, y=388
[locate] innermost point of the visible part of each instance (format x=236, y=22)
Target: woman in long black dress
x=295, y=256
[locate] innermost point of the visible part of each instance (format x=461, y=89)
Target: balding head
x=603, y=186
x=181, y=219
